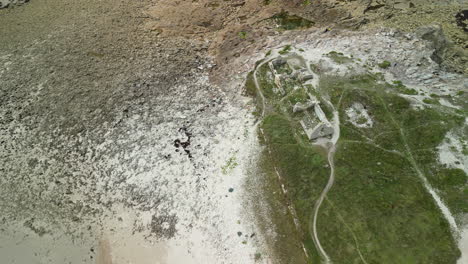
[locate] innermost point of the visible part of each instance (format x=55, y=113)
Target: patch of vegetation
x=231, y=163
x=401, y=88
x=393, y=192
x=285, y=50
x=288, y=249
x=361, y=120
x=286, y=21
x=242, y=35
x=290, y=84
x=303, y=168
x=430, y=101
x=284, y=69
x=266, y=81
x=386, y=210
x=339, y=57
x=298, y=96
x=449, y=181
x=384, y=64
x=250, y=88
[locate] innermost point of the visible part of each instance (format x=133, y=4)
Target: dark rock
x=462, y=19
x=279, y=62
x=437, y=40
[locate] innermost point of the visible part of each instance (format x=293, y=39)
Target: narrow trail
x=331, y=148
x=319, y=202
x=258, y=86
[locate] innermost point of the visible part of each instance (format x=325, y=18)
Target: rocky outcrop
x=7, y=3
x=435, y=36
x=462, y=19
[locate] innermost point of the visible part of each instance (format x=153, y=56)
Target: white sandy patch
x=359, y=116
x=450, y=152
x=204, y=198
x=445, y=102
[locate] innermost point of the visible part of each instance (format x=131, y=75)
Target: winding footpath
x=330, y=145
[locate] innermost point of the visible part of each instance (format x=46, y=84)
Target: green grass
x=339, y=57
x=231, y=163
x=303, y=168
x=284, y=69
x=401, y=88
x=286, y=21
x=430, y=101
x=387, y=184
x=384, y=64
x=250, y=88
x=288, y=249
x=378, y=205
x=266, y=81
x=242, y=35
x=285, y=50
x=298, y=96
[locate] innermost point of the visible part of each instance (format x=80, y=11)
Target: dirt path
x=318, y=203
